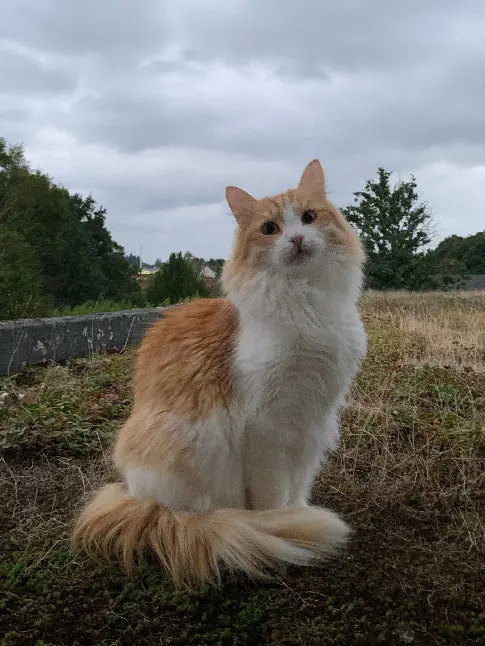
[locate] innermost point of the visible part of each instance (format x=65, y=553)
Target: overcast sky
x=154, y=106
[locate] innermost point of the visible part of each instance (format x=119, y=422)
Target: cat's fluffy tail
x=195, y=548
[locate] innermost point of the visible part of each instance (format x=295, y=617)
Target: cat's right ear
x=241, y=204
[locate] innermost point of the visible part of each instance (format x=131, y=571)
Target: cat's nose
x=297, y=240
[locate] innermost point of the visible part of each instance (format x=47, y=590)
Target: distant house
x=474, y=282
x=145, y=273
x=208, y=276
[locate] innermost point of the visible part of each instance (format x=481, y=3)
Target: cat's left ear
x=313, y=181
x=241, y=204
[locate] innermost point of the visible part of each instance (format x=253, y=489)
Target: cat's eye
x=269, y=228
x=309, y=216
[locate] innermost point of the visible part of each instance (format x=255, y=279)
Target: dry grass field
x=409, y=476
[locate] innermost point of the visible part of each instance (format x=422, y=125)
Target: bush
x=175, y=281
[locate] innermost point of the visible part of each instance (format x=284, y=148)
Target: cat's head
x=298, y=234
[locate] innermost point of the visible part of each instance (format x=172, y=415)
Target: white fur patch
x=290, y=216
x=214, y=479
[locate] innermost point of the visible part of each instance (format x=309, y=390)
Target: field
x=409, y=476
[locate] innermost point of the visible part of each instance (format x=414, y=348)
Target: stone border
x=31, y=341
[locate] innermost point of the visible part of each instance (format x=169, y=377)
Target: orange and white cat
x=237, y=399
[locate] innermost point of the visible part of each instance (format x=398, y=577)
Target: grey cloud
x=23, y=75
x=17, y=115
x=139, y=123
x=403, y=110
x=160, y=202
x=347, y=35
x=118, y=29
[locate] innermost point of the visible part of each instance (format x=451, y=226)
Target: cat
x=237, y=401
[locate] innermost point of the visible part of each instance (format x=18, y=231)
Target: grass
x=94, y=307
x=409, y=476
x=105, y=306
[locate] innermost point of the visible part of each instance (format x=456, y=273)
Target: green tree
x=76, y=259
x=118, y=275
x=134, y=261
x=429, y=273
x=20, y=280
x=175, y=281
x=450, y=262
x=394, y=227
x=474, y=253
x=469, y=250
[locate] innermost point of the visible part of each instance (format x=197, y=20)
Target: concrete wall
x=30, y=341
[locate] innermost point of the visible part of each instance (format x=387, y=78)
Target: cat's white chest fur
x=295, y=357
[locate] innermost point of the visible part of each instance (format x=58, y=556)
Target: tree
x=60, y=234
x=431, y=273
x=118, y=275
x=474, y=253
x=394, y=228
x=20, y=280
x=470, y=251
x=450, y=262
x=175, y=281
x=133, y=260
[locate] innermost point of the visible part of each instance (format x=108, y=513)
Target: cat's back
x=186, y=357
